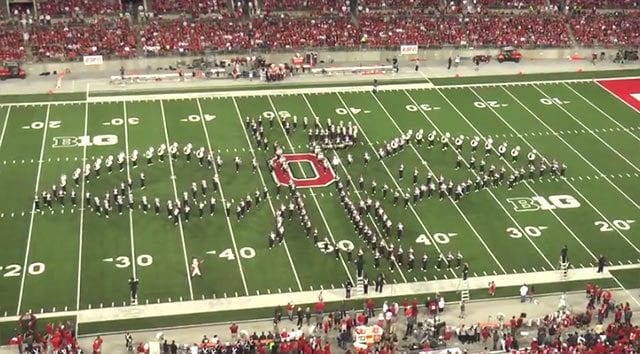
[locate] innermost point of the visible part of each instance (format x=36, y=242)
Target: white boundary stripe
x=4, y=126
x=566, y=180
x=82, y=191
x=134, y=273
x=590, y=131
x=373, y=222
x=616, y=96
x=393, y=179
x=508, y=164
x=175, y=195
x=313, y=195
x=473, y=229
x=289, y=91
x=605, y=113
x=267, y=300
x=33, y=211
x=264, y=184
x=224, y=204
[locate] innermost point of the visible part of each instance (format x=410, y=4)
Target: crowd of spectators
x=382, y=30
x=325, y=23
x=598, y=4
x=183, y=37
x=11, y=44
x=516, y=30
x=294, y=32
x=607, y=29
x=189, y=6
x=66, y=8
x=102, y=36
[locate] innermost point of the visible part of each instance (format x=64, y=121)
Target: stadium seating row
x=64, y=8
x=118, y=37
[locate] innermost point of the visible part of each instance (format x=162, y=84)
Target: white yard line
x=134, y=273
x=604, y=113
x=33, y=211
x=568, y=182
x=424, y=227
x=590, y=131
x=175, y=195
x=82, y=191
x=508, y=164
x=426, y=165
x=313, y=195
x=264, y=184
x=224, y=202
x=373, y=222
x=616, y=96
x=4, y=125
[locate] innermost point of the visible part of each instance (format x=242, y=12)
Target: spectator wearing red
x=97, y=345
x=233, y=328
x=492, y=288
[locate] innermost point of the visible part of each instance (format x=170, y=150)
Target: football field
x=70, y=257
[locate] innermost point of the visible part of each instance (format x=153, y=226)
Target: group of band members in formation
x=122, y=196
x=333, y=136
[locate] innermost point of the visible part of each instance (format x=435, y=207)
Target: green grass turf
x=87, y=258
x=629, y=278
x=85, y=329
x=487, y=79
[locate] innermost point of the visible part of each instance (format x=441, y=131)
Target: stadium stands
x=607, y=29
x=390, y=30
x=64, y=8
x=315, y=23
x=190, y=6
x=296, y=32
x=178, y=36
x=11, y=44
x=598, y=4
x=518, y=30
x=109, y=37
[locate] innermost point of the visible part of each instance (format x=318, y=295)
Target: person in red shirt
x=326, y=348
x=97, y=345
x=492, y=288
x=234, y=330
x=370, y=307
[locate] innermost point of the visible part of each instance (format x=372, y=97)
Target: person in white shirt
x=523, y=292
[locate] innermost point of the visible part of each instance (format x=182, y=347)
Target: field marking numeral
x=622, y=225
x=531, y=231
x=143, y=260
x=196, y=118
x=439, y=237
x=327, y=247
x=245, y=252
x=14, y=270
x=552, y=100
x=53, y=124
x=120, y=121
x=492, y=104
x=424, y=107
x=271, y=114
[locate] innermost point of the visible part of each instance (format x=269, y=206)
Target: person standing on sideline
x=524, y=290
x=601, y=263
x=449, y=62
x=417, y=62
x=133, y=288
x=564, y=255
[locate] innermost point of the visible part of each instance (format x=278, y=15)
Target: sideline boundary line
x=292, y=91
x=432, y=286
